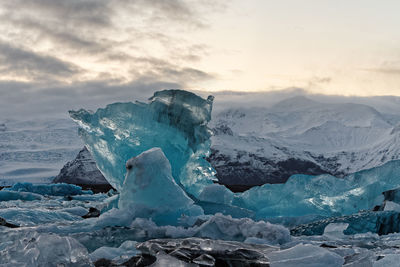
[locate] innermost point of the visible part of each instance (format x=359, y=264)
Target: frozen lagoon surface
x=168, y=211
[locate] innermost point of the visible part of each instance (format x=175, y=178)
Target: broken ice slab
x=150, y=191
x=379, y=222
x=49, y=189
x=6, y=195
x=174, y=120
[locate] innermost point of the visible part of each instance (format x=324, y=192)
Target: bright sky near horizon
x=59, y=51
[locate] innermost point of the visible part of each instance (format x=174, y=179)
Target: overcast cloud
x=56, y=55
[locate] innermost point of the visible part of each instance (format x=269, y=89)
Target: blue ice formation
x=150, y=191
x=49, y=189
x=322, y=195
x=6, y=195
x=176, y=122
x=173, y=120
x=379, y=222
x=32, y=217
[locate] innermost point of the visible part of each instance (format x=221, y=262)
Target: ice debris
x=305, y=255
x=205, y=252
x=49, y=189
x=6, y=195
x=379, y=222
x=118, y=255
x=31, y=217
x=43, y=250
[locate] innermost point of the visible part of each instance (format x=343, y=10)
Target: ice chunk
x=207, y=252
x=390, y=205
x=30, y=217
x=218, y=227
x=388, y=260
x=217, y=194
x=305, y=255
x=228, y=228
x=149, y=191
x=78, y=211
x=174, y=120
x=117, y=255
x=335, y=230
x=322, y=195
x=12, y=195
x=44, y=250
x=164, y=259
x=49, y=189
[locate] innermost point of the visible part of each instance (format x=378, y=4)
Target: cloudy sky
x=57, y=55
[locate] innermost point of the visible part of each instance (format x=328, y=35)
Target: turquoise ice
x=149, y=191
x=174, y=120
x=322, y=194
x=61, y=189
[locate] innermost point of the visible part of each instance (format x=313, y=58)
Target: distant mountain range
x=257, y=145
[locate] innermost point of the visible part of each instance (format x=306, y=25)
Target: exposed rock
x=82, y=171
x=93, y=212
x=6, y=224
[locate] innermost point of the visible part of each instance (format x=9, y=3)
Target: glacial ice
x=216, y=193
x=379, y=222
x=305, y=255
x=31, y=217
x=35, y=250
x=12, y=195
x=390, y=205
x=118, y=255
x=174, y=120
x=49, y=189
x=335, y=230
x=322, y=195
x=150, y=191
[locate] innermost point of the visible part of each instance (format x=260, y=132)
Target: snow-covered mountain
x=300, y=135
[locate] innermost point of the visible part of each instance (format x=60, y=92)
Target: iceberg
x=173, y=120
x=49, y=189
x=6, y=195
x=324, y=195
x=305, y=255
x=150, y=191
x=379, y=222
x=31, y=217
x=118, y=255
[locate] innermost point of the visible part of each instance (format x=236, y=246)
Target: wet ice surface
x=53, y=232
